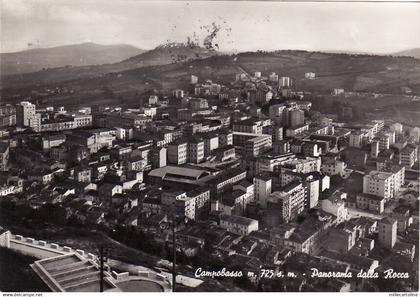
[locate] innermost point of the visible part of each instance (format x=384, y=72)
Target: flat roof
x=179, y=171
x=237, y=219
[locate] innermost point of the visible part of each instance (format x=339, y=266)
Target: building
x=296, y=118
x=107, y=191
x=374, y=149
x=305, y=165
x=52, y=140
x=383, y=184
x=397, y=128
x=198, y=103
x=335, y=204
x=225, y=138
x=225, y=153
x=258, y=145
x=158, y=157
x=332, y=166
x=285, y=82
x=178, y=94
x=193, y=79
x=370, y=202
x=226, y=179
x=277, y=113
x=153, y=100
x=402, y=215
x=357, y=139
x=263, y=183
x=175, y=176
x=409, y=155
x=387, y=232
x=178, y=152
x=82, y=174
x=337, y=92
x=273, y=77
x=4, y=156
x=195, y=150
x=211, y=143
x=310, y=75
x=308, y=237
x=25, y=111
x=238, y=225
x=201, y=197
x=295, y=131
x=248, y=126
x=124, y=133
x=290, y=201
x=415, y=133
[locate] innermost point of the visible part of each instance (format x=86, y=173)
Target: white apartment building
x=383, y=184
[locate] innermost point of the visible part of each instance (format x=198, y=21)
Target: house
x=370, y=202
x=237, y=224
x=109, y=190
x=402, y=215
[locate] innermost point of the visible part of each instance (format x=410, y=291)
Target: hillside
x=75, y=55
x=168, y=54
x=382, y=74
x=161, y=55
x=415, y=52
x=364, y=73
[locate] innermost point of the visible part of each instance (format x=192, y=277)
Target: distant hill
x=415, y=52
x=75, y=55
x=173, y=53
x=168, y=54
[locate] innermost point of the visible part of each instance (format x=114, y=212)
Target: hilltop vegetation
x=162, y=69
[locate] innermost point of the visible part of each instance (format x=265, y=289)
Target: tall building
x=387, y=231
x=296, y=118
x=374, y=149
x=196, y=151
x=258, y=145
x=291, y=200
x=178, y=152
x=409, y=155
x=25, y=111
x=4, y=155
x=383, y=184
x=276, y=112
x=263, y=186
x=277, y=133
x=158, y=157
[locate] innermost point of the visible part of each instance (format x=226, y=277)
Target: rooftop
x=237, y=220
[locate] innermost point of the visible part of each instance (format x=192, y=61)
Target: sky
x=374, y=27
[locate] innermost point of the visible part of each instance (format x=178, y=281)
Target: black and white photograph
x=209, y=146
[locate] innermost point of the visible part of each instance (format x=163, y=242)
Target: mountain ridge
x=82, y=54
x=414, y=52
